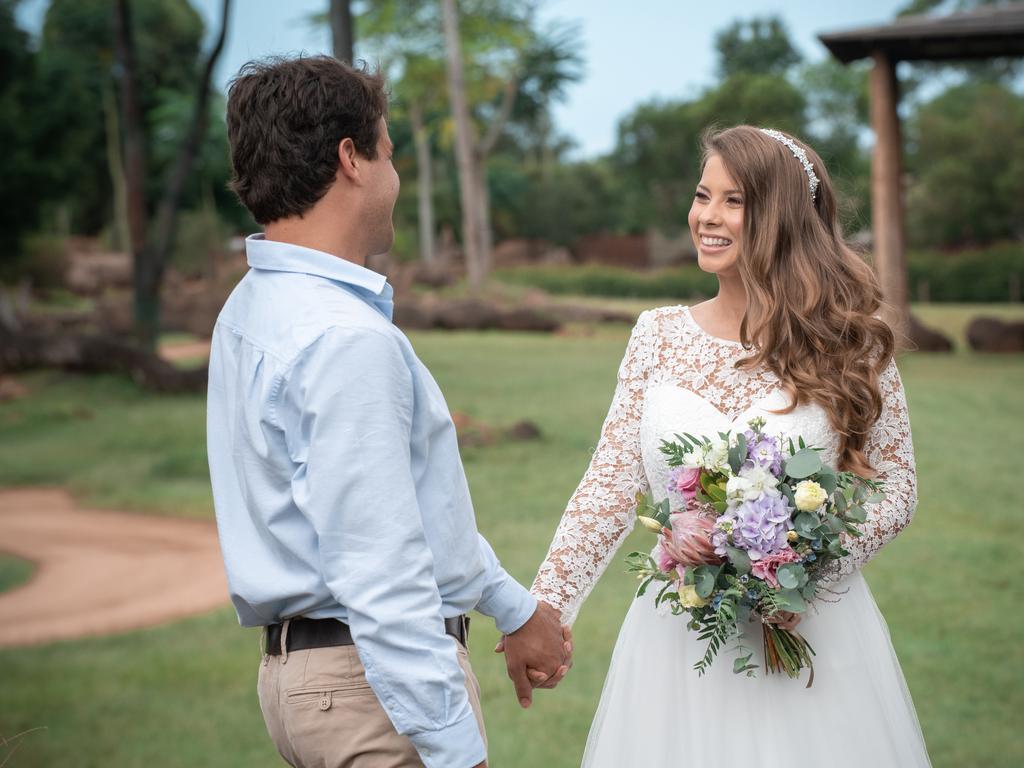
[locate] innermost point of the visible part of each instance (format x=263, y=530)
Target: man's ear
x=348, y=160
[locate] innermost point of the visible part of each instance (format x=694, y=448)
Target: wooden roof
x=985, y=33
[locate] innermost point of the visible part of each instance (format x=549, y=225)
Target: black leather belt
x=326, y=633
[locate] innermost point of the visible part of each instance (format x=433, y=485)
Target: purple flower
x=766, y=453
x=758, y=527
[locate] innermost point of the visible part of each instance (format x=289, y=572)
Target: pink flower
x=689, y=542
x=685, y=480
x=766, y=567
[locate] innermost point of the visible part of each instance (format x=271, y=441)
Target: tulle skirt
x=655, y=710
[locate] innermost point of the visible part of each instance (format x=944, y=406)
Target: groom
x=344, y=515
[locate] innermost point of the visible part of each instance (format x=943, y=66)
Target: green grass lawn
x=184, y=694
x=13, y=571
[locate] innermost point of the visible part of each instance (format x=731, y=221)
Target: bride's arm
x=890, y=450
x=602, y=511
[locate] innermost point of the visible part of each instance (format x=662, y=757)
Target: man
x=344, y=515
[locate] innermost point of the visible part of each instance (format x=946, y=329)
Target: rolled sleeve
x=353, y=394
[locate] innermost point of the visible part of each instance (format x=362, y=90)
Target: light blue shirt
x=339, y=489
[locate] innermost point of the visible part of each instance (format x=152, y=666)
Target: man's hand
x=537, y=654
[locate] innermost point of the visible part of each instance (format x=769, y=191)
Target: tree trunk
x=464, y=148
x=342, y=35
x=425, y=182
x=120, y=238
x=167, y=213
x=484, y=229
x=146, y=290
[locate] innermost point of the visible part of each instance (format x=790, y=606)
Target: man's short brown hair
x=286, y=118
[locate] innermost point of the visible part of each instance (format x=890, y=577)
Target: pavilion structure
x=994, y=31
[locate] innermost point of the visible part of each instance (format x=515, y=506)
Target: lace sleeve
x=602, y=511
x=890, y=450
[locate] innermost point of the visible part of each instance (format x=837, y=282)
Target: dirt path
x=100, y=572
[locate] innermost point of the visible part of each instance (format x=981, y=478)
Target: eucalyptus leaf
x=803, y=463
x=704, y=580
x=791, y=576
x=790, y=600
x=876, y=497
x=857, y=514
x=805, y=523
x=739, y=559
x=827, y=480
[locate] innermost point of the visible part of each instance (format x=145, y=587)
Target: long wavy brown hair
x=812, y=302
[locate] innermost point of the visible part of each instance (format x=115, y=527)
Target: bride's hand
x=784, y=619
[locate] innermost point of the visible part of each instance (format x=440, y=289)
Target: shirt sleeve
x=507, y=601
x=889, y=448
x=352, y=391
x=602, y=511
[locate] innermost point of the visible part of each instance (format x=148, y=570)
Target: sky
x=633, y=52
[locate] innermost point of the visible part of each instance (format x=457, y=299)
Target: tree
x=150, y=255
x=75, y=65
x=25, y=181
x=342, y=32
x=966, y=167
x=759, y=45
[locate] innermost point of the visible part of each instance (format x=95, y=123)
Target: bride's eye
x=700, y=195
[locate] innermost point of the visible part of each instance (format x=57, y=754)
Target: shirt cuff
x=458, y=745
x=511, y=605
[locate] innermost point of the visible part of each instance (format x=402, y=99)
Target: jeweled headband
x=799, y=154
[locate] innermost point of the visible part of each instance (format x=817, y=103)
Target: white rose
x=809, y=496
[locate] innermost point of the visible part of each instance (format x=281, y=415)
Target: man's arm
x=352, y=393
x=541, y=648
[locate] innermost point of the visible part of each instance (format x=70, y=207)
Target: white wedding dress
x=655, y=711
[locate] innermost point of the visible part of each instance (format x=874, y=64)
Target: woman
x=792, y=336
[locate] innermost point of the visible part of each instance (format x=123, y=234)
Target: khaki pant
x=321, y=712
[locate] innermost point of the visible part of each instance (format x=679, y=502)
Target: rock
x=523, y=430
x=989, y=334
x=925, y=339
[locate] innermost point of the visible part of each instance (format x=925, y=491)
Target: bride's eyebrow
x=728, y=191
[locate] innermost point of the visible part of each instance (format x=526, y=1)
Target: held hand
x=537, y=678
x=540, y=645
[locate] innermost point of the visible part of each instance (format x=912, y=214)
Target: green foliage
x=25, y=181
x=757, y=45
x=977, y=275
x=13, y=572
x=967, y=167
x=75, y=66
x=685, y=281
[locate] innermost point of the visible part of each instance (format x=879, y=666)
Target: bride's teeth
x=715, y=241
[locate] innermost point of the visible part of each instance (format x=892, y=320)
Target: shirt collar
x=286, y=257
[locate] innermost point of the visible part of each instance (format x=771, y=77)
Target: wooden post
x=887, y=194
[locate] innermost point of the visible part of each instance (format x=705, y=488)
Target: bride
x=793, y=337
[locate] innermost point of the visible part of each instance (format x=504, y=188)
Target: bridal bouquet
x=769, y=526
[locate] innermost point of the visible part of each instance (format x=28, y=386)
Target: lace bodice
x=675, y=377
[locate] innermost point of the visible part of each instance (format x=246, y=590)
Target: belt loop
x=284, y=641
x=263, y=645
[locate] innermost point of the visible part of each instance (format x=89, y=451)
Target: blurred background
x=517, y=281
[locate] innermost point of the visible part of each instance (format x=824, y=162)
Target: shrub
x=684, y=281
x=991, y=274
